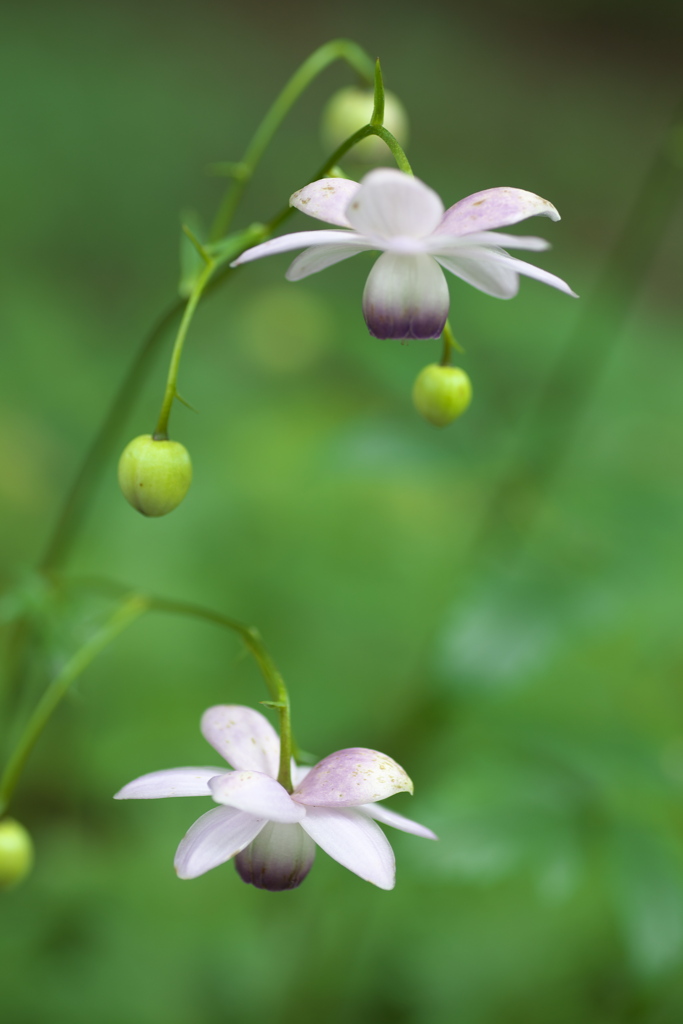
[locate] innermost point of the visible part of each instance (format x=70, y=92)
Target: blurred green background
x=496, y=605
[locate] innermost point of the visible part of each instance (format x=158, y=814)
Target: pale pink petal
x=326, y=199
x=214, y=838
x=351, y=777
x=297, y=240
x=476, y=268
x=405, y=297
x=279, y=858
x=243, y=737
x=319, y=257
x=257, y=794
x=450, y=245
x=170, y=782
x=387, y=817
x=494, y=208
x=502, y=259
x=354, y=841
x=390, y=203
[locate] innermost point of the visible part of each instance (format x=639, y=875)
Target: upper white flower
x=272, y=833
x=406, y=295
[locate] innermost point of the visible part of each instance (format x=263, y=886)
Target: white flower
x=271, y=833
x=406, y=295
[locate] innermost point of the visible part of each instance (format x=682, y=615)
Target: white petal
x=405, y=297
x=214, y=838
x=476, y=268
x=390, y=203
x=448, y=245
x=257, y=794
x=326, y=199
x=297, y=240
x=387, y=817
x=502, y=259
x=243, y=737
x=319, y=257
x=354, y=841
x=494, y=208
x=171, y=782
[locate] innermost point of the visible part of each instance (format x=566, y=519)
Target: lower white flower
x=406, y=295
x=271, y=833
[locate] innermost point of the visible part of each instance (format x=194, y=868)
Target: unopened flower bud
x=350, y=109
x=154, y=475
x=16, y=853
x=441, y=393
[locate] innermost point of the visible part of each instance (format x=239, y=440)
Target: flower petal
x=319, y=257
x=351, y=777
x=257, y=794
x=326, y=199
x=448, y=245
x=390, y=203
x=170, y=782
x=279, y=858
x=297, y=240
x=494, y=208
x=387, y=817
x=243, y=737
x=502, y=259
x=476, y=267
x=354, y=841
x=405, y=297
x=214, y=838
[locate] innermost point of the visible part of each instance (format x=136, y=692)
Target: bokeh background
x=497, y=605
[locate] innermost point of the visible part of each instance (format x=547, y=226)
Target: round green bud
x=154, y=475
x=16, y=853
x=441, y=393
x=350, y=109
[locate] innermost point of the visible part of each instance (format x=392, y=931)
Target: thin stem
x=127, y=613
x=161, y=432
x=377, y=119
x=274, y=681
x=449, y=343
x=337, y=49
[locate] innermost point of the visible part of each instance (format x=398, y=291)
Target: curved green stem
x=253, y=642
x=337, y=49
x=161, y=432
x=127, y=613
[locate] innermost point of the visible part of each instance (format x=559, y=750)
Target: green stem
x=337, y=49
x=161, y=432
x=274, y=681
x=377, y=119
x=127, y=613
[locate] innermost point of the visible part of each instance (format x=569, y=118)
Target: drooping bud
x=16, y=853
x=350, y=109
x=154, y=476
x=442, y=393
x=279, y=858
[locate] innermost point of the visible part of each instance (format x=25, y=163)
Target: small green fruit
x=442, y=393
x=16, y=853
x=154, y=475
x=351, y=108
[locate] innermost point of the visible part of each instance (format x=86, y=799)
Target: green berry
x=442, y=393
x=16, y=853
x=351, y=108
x=154, y=475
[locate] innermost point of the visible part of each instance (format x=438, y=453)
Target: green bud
x=16, y=853
x=441, y=393
x=350, y=109
x=154, y=475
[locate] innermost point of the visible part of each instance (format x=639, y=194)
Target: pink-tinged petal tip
x=351, y=777
x=169, y=782
x=326, y=199
x=494, y=208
